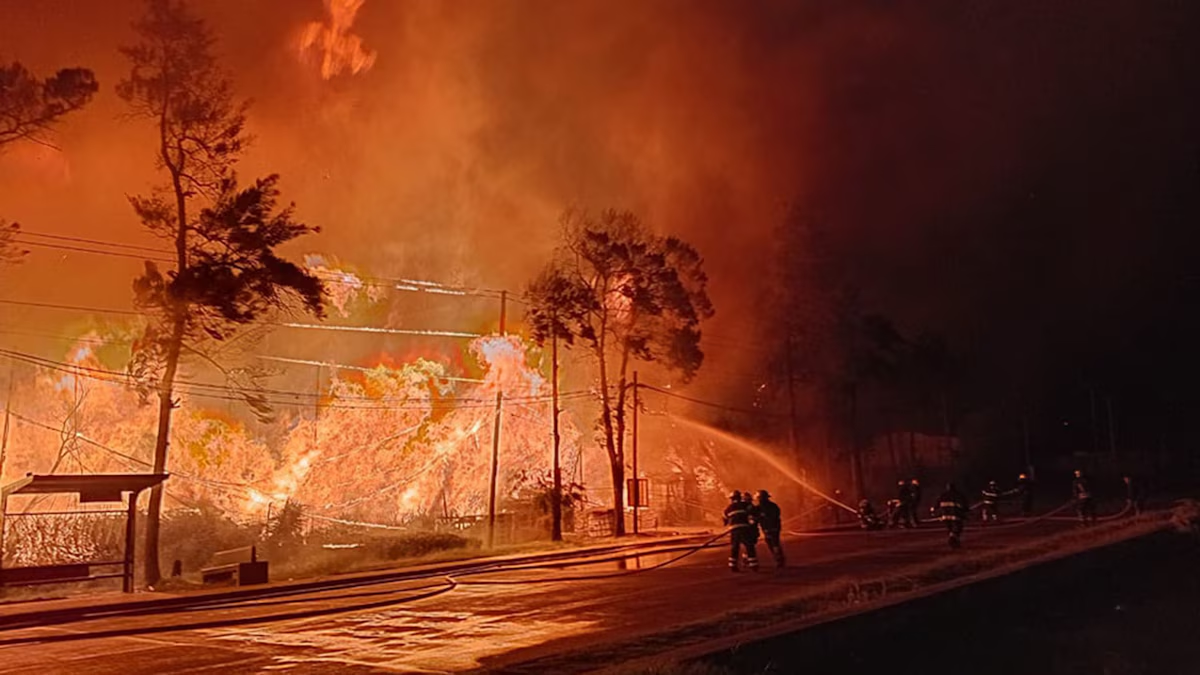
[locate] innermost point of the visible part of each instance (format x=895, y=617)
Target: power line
x=100, y=242
x=231, y=394
x=66, y=338
x=363, y=369
x=711, y=404
x=373, y=329
x=126, y=251
x=81, y=249
x=127, y=457
x=71, y=308
x=357, y=329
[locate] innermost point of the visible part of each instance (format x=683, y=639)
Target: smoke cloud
x=932, y=138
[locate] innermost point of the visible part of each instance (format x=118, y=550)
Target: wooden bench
x=239, y=565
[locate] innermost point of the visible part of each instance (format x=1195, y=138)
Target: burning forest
x=395, y=267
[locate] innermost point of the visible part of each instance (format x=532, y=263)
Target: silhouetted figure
x=990, y=509
x=1085, y=506
x=868, y=519
x=1024, y=491
x=738, y=517
x=748, y=500
x=915, y=491
x=1135, y=495
x=900, y=510
x=177, y=569
x=837, y=510
x=952, y=509
x=770, y=520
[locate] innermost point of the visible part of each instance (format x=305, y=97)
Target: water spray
x=766, y=456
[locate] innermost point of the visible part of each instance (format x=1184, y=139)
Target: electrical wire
x=199, y=388
x=711, y=404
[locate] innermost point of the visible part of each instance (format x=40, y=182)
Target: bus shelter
x=98, y=497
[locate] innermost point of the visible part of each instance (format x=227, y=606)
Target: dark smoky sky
x=1019, y=175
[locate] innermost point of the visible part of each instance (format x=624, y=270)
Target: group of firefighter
x=953, y=508
x=746, y=515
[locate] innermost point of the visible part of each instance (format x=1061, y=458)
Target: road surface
x=521, y=620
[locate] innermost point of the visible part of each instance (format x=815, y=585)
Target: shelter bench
x=239, y=565
x=57, y=574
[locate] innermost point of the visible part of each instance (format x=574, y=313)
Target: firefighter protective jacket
x=737, y=513
x=769, y=516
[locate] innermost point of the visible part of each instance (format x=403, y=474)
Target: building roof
x=96, y=487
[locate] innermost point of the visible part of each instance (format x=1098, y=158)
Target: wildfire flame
x=390, y=445
x=340, y=50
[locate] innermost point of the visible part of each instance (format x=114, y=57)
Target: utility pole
x=316, y=439
x=637, y=486
x=491, y=529
x=556, y=496
x=503, y=312
x=7, y=415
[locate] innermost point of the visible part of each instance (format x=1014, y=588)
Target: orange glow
x=340, y=50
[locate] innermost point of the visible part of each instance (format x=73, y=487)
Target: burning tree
x=226, y=272
x=29, y=107
x=626, y=294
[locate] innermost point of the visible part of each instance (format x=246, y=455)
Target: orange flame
x=339, y=49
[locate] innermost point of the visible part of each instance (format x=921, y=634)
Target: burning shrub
x=398, y=547
x=285, y=528
x=535, y=493
x=60, y=538
x=192, y=536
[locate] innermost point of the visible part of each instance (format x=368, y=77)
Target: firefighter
x=748, y=500
x=891, y=512
x=1085, y=508
x=990, y=511
x=867, y=518
x=914, y=491
x=1135, y=495
x=1024, y=490
x=900, y=509
x=952, y=507
x=737, y=516
x=770, y=520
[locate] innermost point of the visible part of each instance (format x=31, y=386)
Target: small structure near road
x=91, y=491
x=239, y=565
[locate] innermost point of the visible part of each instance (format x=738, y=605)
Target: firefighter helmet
x=763, y=494
x=735, y=496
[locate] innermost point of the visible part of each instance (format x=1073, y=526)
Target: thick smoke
x=925, y=134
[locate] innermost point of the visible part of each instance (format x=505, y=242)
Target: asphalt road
x=512, y=620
